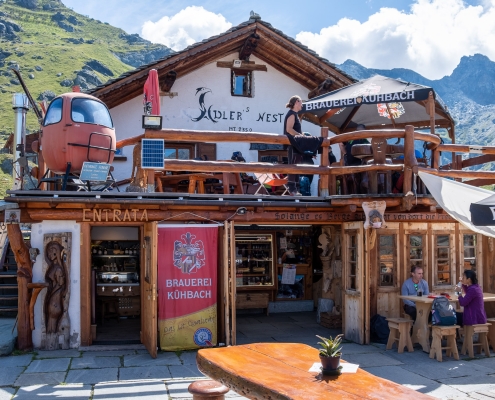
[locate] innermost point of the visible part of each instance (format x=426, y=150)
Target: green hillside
x=49, y=54
x=54, y=48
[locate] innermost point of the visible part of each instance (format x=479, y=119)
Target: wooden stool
x=400, y=327
x=449, y=333
x=207, y=389
x=491, y=332
x=468, y=345
x=109, y=308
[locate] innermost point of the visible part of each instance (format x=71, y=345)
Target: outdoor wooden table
x=228, y=179
x=280, y=371
x=195, y=179
x=421, y=331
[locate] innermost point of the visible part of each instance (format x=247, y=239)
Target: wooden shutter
x=208, y=149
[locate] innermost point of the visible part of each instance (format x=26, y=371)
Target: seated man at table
x=411, y=287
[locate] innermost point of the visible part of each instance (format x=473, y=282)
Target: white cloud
x=188, y=26
x=430, y=38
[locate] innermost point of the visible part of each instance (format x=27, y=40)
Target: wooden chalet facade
x=324, y=236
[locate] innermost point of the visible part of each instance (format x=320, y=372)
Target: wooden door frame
x=85, y=276
x=392, y=229
x=149, y=294
x=362, y=275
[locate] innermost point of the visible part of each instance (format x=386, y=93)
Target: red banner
x=187, y=286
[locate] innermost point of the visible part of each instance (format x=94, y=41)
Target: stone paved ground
x=130, y=373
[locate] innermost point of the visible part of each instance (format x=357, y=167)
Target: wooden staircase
x=8, y=278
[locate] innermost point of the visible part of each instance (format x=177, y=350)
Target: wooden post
x=233, y=290
x=226, y=281
x=410, y=162
x=24, y=277
x=431, y=109
x=324, y=163
x=458, y=163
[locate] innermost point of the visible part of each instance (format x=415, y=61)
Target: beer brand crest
x=189, y=256
x=396, y=109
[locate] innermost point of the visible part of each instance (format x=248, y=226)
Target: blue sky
x=429, y=36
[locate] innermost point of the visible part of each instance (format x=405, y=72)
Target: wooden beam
x=248, y=47
x=461, y=148
x=24, y=277
x=244, y=66
x=479, y=182
x=350, y=117
x=167, y=81
x=328, y=114
x=459, y=174
x=324, y=87
x=478, y=160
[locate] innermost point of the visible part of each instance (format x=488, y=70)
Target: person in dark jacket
x=472, y=300
x=292, y=127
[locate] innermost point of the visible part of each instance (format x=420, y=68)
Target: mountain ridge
x=467, y=92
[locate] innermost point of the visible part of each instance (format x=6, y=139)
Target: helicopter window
x=54, y=113
x=91, y=112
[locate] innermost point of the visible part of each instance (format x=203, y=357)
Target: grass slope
x=42, y=43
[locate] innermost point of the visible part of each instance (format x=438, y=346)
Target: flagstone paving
x=105, y=372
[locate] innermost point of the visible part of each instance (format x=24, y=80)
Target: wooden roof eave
x=239, y=34
x=305, y=55
x=181, y=67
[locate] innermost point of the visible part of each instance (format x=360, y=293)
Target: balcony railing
x=329, y=175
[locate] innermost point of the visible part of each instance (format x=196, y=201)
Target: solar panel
x=152, y=153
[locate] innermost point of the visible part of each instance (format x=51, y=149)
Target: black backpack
x=442, y=312
x=379, y=329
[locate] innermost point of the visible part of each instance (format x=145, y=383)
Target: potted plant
x=330, y=352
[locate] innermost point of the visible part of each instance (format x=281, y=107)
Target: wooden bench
x=468, y=345
x=449, y=332
x=491, y=332
x=399, y=332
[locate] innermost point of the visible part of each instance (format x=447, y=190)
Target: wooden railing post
x=410, y=162
x=324, y=163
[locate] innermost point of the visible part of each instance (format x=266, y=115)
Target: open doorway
x=116, y=285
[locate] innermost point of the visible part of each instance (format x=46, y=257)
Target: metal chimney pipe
x=20, y=104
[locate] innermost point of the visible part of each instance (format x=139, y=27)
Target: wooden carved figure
x=55, y=319
x=57, y=279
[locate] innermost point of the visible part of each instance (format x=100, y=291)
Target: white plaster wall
x=264, y=112
x=37, y=232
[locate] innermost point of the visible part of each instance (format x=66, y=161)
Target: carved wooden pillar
x=24, y=276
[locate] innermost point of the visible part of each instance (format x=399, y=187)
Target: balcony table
x=279, y=371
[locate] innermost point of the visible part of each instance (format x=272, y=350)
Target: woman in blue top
x=292, y=127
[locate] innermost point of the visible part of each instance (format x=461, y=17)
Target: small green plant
x=330, y=347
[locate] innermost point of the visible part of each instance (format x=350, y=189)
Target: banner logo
x=202, y=337
x=188, y=256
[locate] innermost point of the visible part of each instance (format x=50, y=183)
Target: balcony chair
x=272, y=180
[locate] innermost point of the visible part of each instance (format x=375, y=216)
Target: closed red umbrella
x=151, y=100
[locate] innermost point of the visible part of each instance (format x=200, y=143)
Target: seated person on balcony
x=472, y=300
x=346, y=148
x=359, y=180
x=411, y=287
